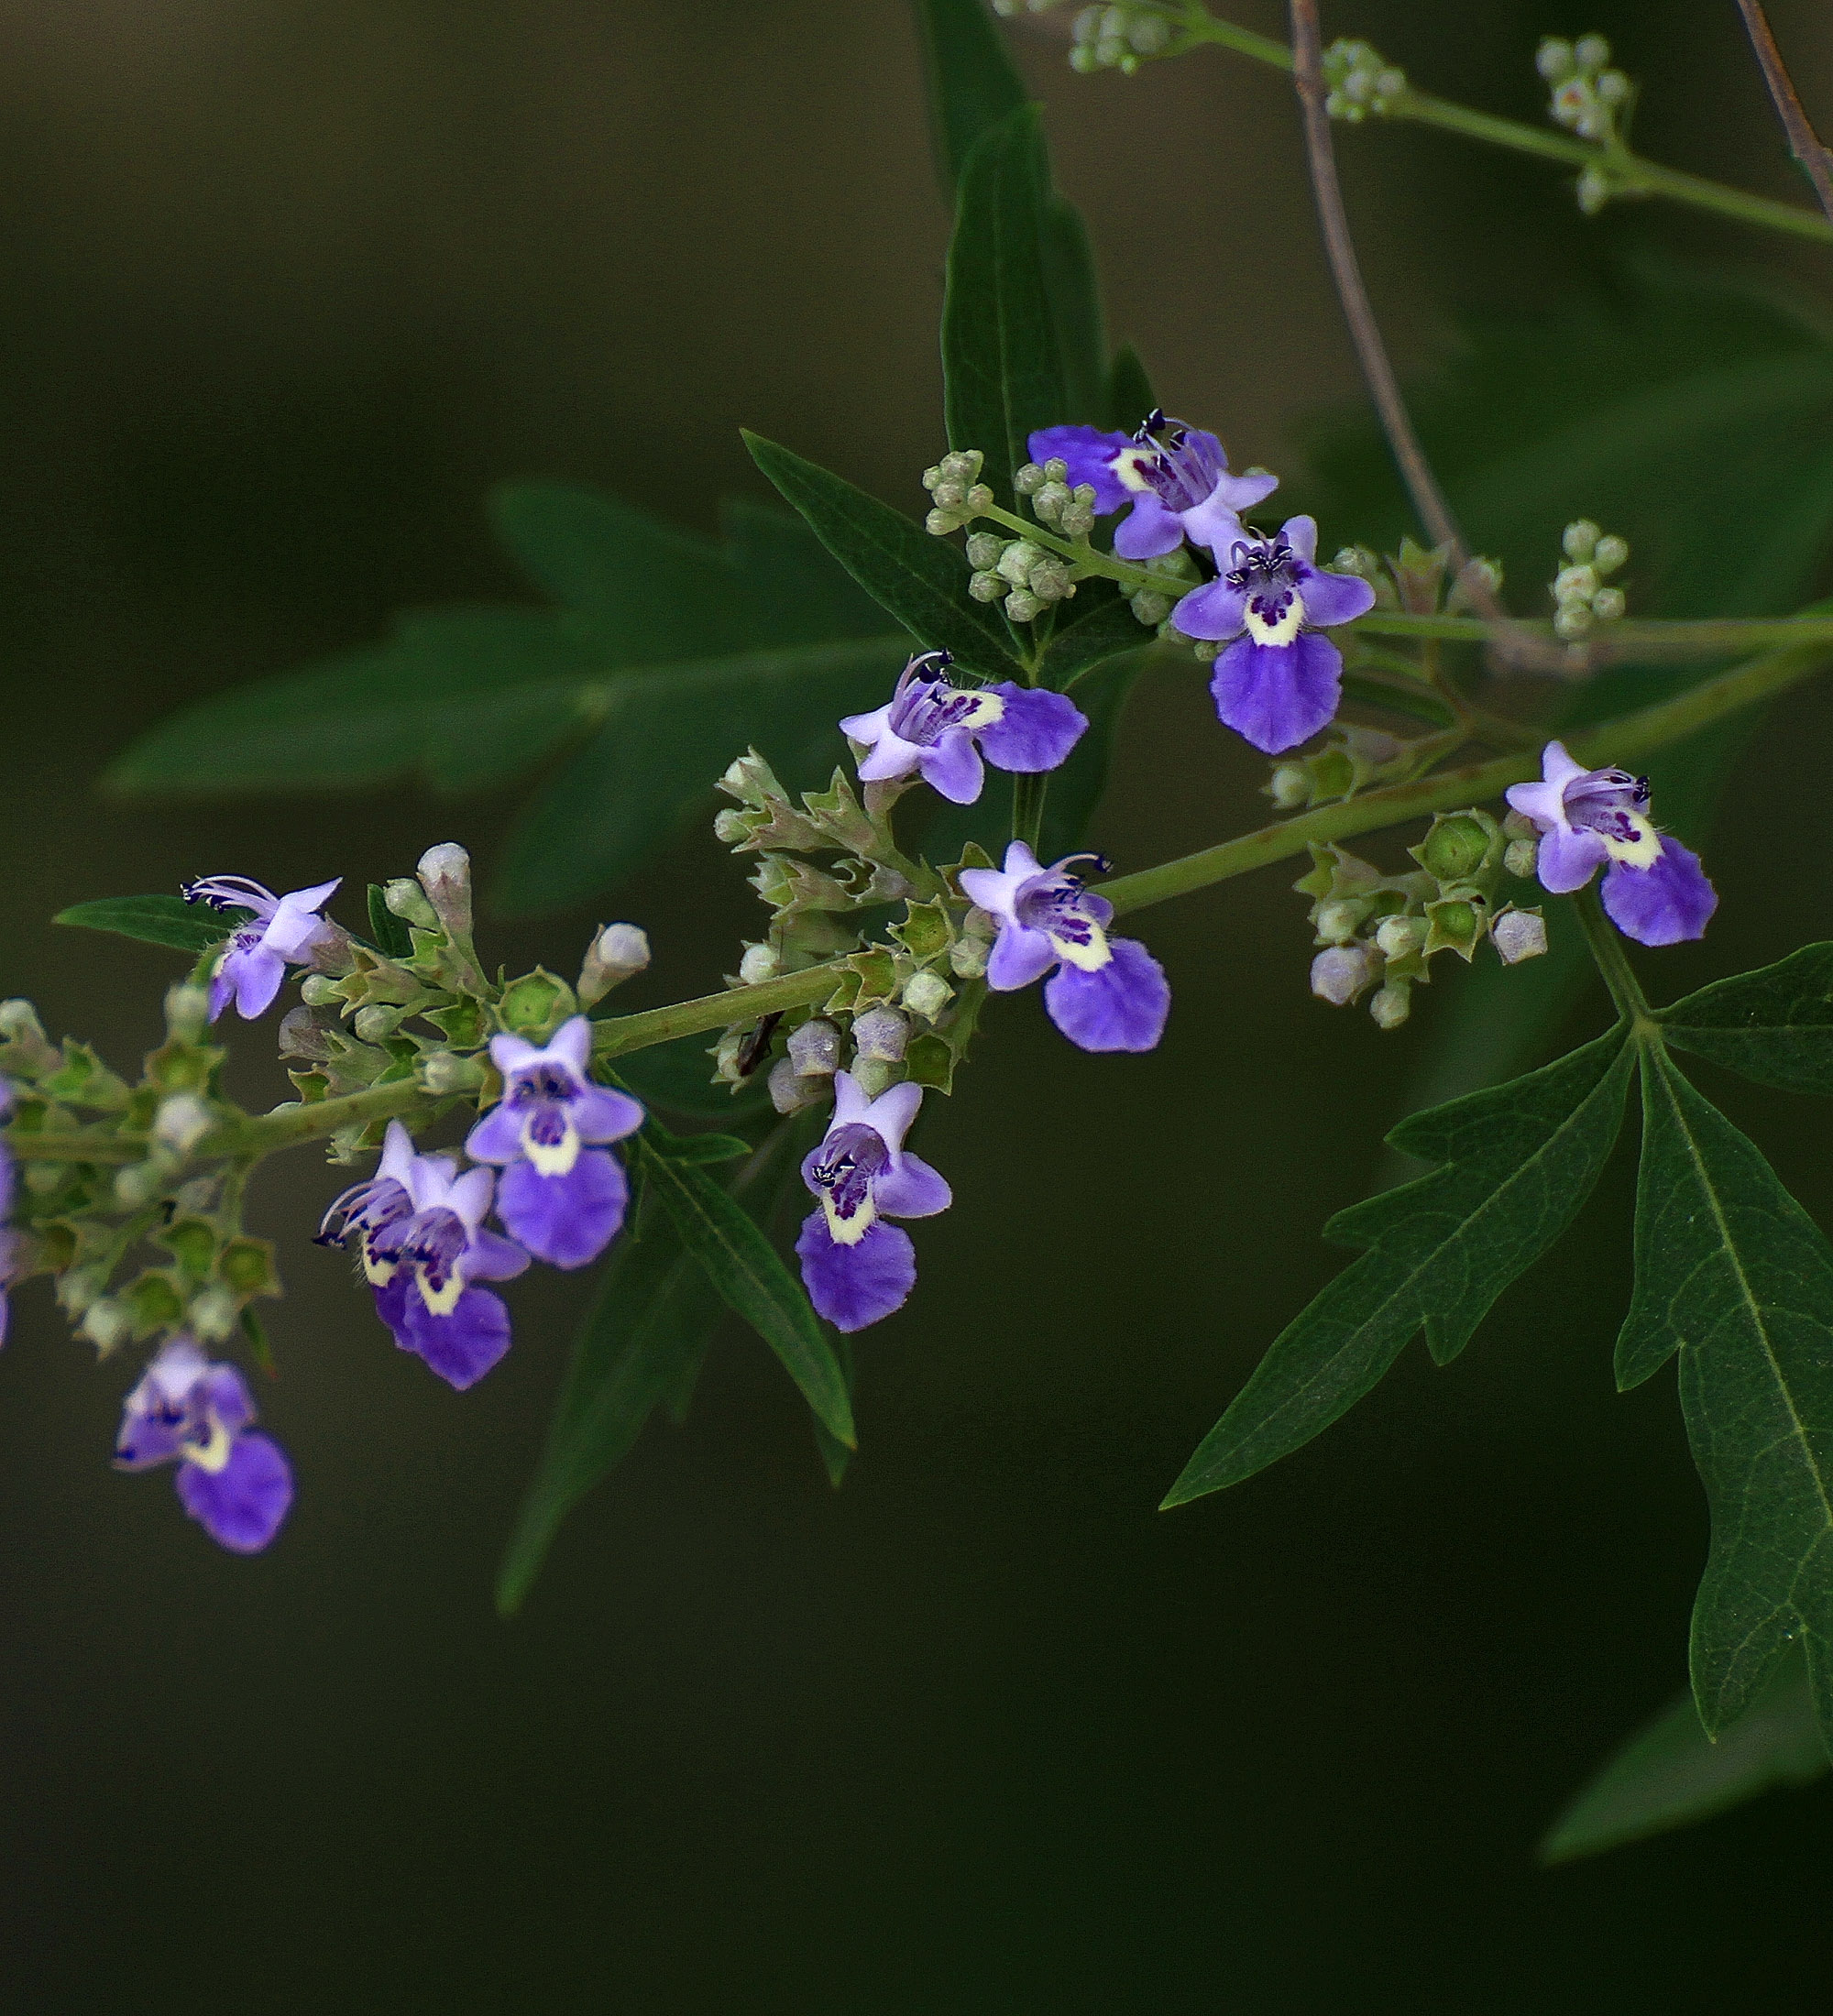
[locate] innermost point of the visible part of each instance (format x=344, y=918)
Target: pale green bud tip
x=1580, y=539
x=1556, y=60
x=106, y=1323
x=1591, y=52
x=447, y=862
x=967, y=958
x=1028, y=478
x=1339, y=922
x=407, y=900
x=759, y=964
x=1023, y=607
x=188, y=1011
x=136, y=1186
x=182, y=1121
x=985, y=587
x=1399, y=937
x=319, y=990
x=1608, y=603
x=1609, y=553
x=1290, y=787
x=880, y=1033
x=441, y=1073
x=983, y=550
x=445, y=874
x=614, y=955
x=928, y=994
x=1573, y=622
x=1149, y=608
x=815, y=1048
x=1391, y=1005
x=213, y=1315
x=1519, y=935
x=1522, y=857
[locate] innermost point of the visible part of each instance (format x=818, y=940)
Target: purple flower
x=943, y=731
x=282, y=929
x=562, y=1196
x=1654, y=889
x=856, y=1267
x=424, y=1243
x=1279, y=681
x=1107, y=994
x=234, y=1483
x=1175, y=477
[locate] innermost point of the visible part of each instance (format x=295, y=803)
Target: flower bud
x=750, y=779
x=815, y=1048
x=1022, y=605
x=617, y=953
x=535, y=1004
x=759, y=964
x=1609, y=553
x=445, y=874
x=1343, y=972
x=983, y=549
x=1519, y=935
x=1574, y=584
x=967, y=958
x=881, y=1032
x=1290, y=787
x=1594, y=190
x=928, y=994
x=1591, y=52
x=137, y=1185
x=20, y=1027
x=1391, y=1005
x=1150, y=606
x=106, y=1323
x=1028, y=478
x=1580, y=540
x=1018, y=561
x=1522, y=857
x=213, y=1315
x=1555, y=59
x=1455, y=847
x=1608, y=603
x=404, y=898
x=1338, y=921
x=319, y=990
x=790, y=1092
x=187, y=1012
x=1572, y=621
x=874, y=1075
x=985, y=587
x=443, y=1072
x=1400, y=938
x=183, y=1120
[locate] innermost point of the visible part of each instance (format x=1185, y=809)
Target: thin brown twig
x=1803, y=141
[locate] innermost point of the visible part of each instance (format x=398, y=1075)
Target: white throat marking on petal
x=1643, y=851
x=551, y=1158
x=1131, y=464
x=1089, y=958
x=849, y=1232
x=1281, y=632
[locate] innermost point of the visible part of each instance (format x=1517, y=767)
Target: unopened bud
x=1523, y=857
x=1150, y=606
x=983, y=549
x=758, y=965
x=1028, y=478
x=1580, y=540
x=1398, y=937
x=20, y=1026
x=967, y=958
x=1608, y=603
x=985, y=587
x=376, y=1023
x=213, y=1315
x=618, y=953
x=1556, y=60
x=790, y=1092
x=749, y=777
x=1290, y=787
x=1609, y=553
x=319, y=990
x=183, y=1120
x=928, y=994
x=1591, y=52
x=1023, y=607
x=443, y=1072
x=106, y=1323
x=1339, y=921
x=1572, y=621
x=1341, y=974
x=445, y=874
x=1391, y=1005
x=404, y=898
x=1519, y=935
x=1455, y=847
x=138, y=1185
x=187, y=1012
x=1594, y=190
x=815, y=1048
x=881, y=1032
x=1574, y=584
x=874, y=1075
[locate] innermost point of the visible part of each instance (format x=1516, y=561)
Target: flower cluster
x=1588, y=98
x=1359, y=80
x=1580, y=598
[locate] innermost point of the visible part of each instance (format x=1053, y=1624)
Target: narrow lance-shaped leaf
x=169, y=921
x=1774, y=1026
x=746, y=1270
x=922, y=582
x=641, y=1348
x=1001, y=361
x=971, y=81
x=1671, y=1773
x=1520, y=1160
x=1733, y=1275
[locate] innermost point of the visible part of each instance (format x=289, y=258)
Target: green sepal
x=84, y=1081
x=157, y=1302
x=1519, y=1161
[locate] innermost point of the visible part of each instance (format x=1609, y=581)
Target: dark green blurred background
x=287, y=285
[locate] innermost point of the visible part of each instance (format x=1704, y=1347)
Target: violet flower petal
x=256, y=976
x=1278, y=696
x=461, y=1347
x=1662, y=904
x=1090, y=454
x=1214, y=612
x=1018, y=956
x=567, y=1220
x=242, y=1505
x=912, y=1189
x=1119, y=1006
x=949, y=765
x=1036, y=732
x=856, y=1285
x=1332, y=599
x=1150, y=530
x=1568, y=860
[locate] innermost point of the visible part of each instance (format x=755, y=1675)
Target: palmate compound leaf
x=1774, y=1026
x=1519, y=1160
x=669, y=654
x=641, y=1348
x=1672, y=1774
x=1734, y=1276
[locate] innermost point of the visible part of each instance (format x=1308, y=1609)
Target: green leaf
x=666, y=737
x=1129, y=390
x=696, y=1151
x=1095, y=627
x=671, y=652
x=642, y=1347
x=388, y=933
x=169, y=921
x=1002, y=362
x=972, y=83
x=743, y=1266
x=1774, y=1026
x=1731, y=1273
x=1671, y=1774
x=922, y=582
x=836, y=1455
x=678, y=1077
x=1518, y=1162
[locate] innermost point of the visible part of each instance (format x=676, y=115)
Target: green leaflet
x=1733, y=1274
x=668, y=654
x=745, y=1270
x=920, y=581
x=1671, y=1774
x=1519, y=1161
x=169, y=921
x=640, y=1347
x=1774, y=1026
x=972, y=82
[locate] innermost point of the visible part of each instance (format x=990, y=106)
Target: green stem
x=1028, y=806
x=619, y=1033
x=288, y=1126
x=1613, y=963
x=1627, y=171
x=1621, y=740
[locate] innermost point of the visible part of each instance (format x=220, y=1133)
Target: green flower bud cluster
x=1581, y=598
x=1153, y=609
x=1119, y=37
x=1381, y=932
x=1360, y=81
x=903, y=1008
x=1352, y=759
x=1590, y=98
x=957, y=493
x=1414, y=578
x=103, y=1179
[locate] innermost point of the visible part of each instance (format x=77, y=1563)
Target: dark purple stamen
x=1186, y=467
x=851, y=1159
x=435, y=1243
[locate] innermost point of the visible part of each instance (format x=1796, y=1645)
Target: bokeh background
x=285, y=286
